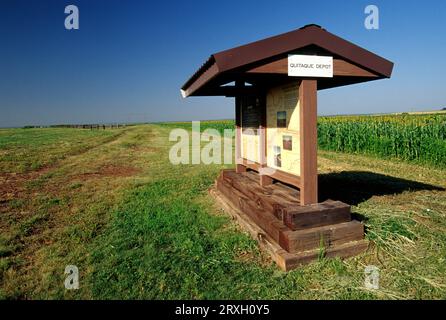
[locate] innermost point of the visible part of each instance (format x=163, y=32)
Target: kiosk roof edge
x=214, y=71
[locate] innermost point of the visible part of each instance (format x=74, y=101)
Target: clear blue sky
x=129, y=58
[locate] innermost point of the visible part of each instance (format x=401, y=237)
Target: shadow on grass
x=354, y=187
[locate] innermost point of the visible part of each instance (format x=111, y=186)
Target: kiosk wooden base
x=291, y=233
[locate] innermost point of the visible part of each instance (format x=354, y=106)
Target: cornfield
x=415, y=138
x=419, y=138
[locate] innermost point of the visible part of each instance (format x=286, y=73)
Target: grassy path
x=140, y=228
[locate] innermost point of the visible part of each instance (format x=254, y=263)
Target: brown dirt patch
x=12, y=185
x=119, y=171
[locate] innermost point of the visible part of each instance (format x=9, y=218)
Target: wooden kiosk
x=273, y=191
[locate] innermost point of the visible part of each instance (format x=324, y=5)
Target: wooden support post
x=238, y=136
x=308, y=141
x=264, y=179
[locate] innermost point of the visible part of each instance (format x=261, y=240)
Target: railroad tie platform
x=292, y=234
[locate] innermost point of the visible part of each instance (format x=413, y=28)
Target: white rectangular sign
x=310, y=66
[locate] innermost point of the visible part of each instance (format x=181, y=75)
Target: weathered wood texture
x=308, y=141
x=238, y=139
x=300, y=232
x=316, y=215
x=272, y=174
x=327, y=236
x=340, y=68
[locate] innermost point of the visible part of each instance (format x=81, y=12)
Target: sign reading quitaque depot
x=310, y=66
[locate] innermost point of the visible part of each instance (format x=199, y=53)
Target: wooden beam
x=340, y=68
x=274, y=174
x=264, y=179
x=203, y=79
x=286, y=177
x=249, y=164
x=311, y=226
x=240, y=168
x=238, y=134
x=344, y=68
x=262, y=131
x=308, y=141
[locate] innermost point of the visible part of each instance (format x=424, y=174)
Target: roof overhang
x=264, y=63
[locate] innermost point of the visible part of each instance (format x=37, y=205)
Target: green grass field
x=138, y=227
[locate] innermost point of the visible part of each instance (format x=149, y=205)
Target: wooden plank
x=327, y=236
x=274, y=214
x=262, y=131
x=238, y=135
x=207, y=75
x=278, y=175
x=265, y=180
x=285, y=260
x=287, y=193
x=282, y=258
x=240, y=168
x=247, y=183
x=266, y=221
x=316, y=215
x=344, y=68
x=286, y=177
x=260, y=205
x=252, y=176
x=308, y=141
x=269, y=191
x=346, y=250
x=340, y=68
x=249, y=164
x=276, y=67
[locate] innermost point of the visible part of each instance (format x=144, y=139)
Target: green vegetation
x=416, y=138
x=23, y=150
x=219, y=125
x=139, y=227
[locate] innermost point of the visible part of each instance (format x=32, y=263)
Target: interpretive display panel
x=282, y=128
x=250, y=118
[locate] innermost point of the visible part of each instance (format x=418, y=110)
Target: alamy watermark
x=188, y=150
x=371, y=280
x=72, y=279
x=218, y=148
x=72, y=20
x=371, y=21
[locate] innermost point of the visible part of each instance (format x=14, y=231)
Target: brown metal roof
x=228, y=65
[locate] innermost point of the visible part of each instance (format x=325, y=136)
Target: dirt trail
x=41, y=207
x=12, y=185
